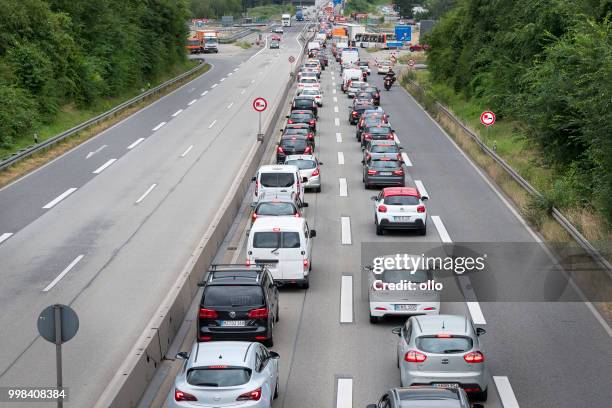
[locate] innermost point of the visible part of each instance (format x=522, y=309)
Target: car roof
x=401, y=191
x=419, y=393
x=280, y=222
x=232, y=353
x=269, y=196
x=277, y=168
x=443, y=323
x=300, y=111
x=300, y=157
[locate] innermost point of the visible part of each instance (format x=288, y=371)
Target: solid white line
x=337, y=121
x=335, y=99
x=136, y=143
x=159, y=126
x=346, y=230
x=441, y=229
x=406, y=159
x=146, y=193
x=187, y=151
x=235, y=69
x=343, y=187
x=344, y=399
x=339, y=137
x=230, y=105
x=104, y=166
x=506, y=395
x=333, y=91
x=421, y=188
x=59, y=198
x=340, y=158
x=242, y=92
x=230, y=74
x=214, y=86
x=5, y=236
x=222, y=79
x=335, y=109
x=346, y=300
x=63, y=273
x=178, y=112
x=192, y=102
x=203, y=93
x=212, y=124
x=476, y=313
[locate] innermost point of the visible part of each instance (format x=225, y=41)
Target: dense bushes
x=548, y=64
x=54, y=52
x=219, y=8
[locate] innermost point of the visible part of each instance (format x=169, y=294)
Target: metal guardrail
x=557, y=215
x=22, y=154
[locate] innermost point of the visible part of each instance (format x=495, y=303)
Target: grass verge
x=70, y=117
x=245, y=45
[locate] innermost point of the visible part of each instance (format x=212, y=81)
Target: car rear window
x=277, y=179
x=275, y=209
x=397, y=275
x=402, y=200
x=301, y=116
x=308, y=80
x=233, y=295
x=444, y=345
x=293, y=143
x=303, y=103
x=384, y=149
x=378, y=130
x=218, y=377
x=270, y=239
x=384, y=164
x=302, y=164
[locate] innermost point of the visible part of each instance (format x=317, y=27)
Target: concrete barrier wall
x=131, y=380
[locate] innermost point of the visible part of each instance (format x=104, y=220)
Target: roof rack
x=214, y=267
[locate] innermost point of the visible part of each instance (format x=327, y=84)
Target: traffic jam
x=439, y=356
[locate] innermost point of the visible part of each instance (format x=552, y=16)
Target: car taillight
x=382, y=208
x=310, y=136
x=399, y=157
x=256, y=187
x=183, y=396
x=371, y=171
x=312, y=122
x=367, y=136
x=207, y=313
x=280, y=150
x=247, y=262
x=254, y=395
x=308, y=150
x=289, y=121
x=414, y=356
x=399, y=172
x=354, y=114
x=297, y=215
x=254, y=216
x=390, y=136
x=474, y=357
x=306, y=263
x=315, y=172
x=421, y=209
x=258, y=313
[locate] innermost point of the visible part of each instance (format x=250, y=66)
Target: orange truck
x=339, y=32
x=194, y=45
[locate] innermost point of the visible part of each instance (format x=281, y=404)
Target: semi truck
x=299, y=15
x=210, y=40
x=286, y=18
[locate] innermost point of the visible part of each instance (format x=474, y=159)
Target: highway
x=107, y=227
x=544, y=348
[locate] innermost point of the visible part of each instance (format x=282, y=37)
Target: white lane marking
x=98, y=150
x=335, y=99
x=344, y=399
x=222, y=79
x=235, y=69
x=337, y=121
x=339, y=137
x=335, y=109
x=421, y=188
x=346, y=230
x=242, y=92
x=192, y=102
x=104, y=166
x=230, y=74
x=146, y=193
x=59, y=198
x=334, y=83
x=204, y=93
x=212, y=124
x=252, y=81
x=406, y=159
x=343, y=187
x=135, y=143
x=230, y=105
x=5, y=236
x=159, y=126
x=504, y=389
x=441, y=229
x=63, y=273
x=187, y=151
x=178, y=112
x=214, y=86
x=476, y=313
x=346, y=299
x=340, y=158
x=396, y=139
x=333, y=91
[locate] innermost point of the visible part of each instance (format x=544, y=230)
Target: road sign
x=291, y=59
x=487, y=118
x=260, y=104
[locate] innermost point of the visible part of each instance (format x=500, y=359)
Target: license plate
x=405, y=308
x=233, y=323
x=453, y=386
x=385, y=173
x=402, y=219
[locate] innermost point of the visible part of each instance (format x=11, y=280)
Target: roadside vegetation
x=264, y=9
x=363, y=6
x=245, y=45
x=62, y=62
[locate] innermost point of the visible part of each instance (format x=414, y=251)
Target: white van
x=313, y=45
x=350, y=74
x=278, y=178
x=349, y=57
x=284, y=245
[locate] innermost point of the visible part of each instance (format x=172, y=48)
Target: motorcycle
x=388, y=83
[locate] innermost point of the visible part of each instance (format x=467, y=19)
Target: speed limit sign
x=487, y=118
x=260, y=104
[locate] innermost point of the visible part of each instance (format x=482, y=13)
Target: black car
x=303, y=116
x=363, y=97
x=383, y=172
x=420, y=396
x=378, y=132
x=375, y=94
x=238, y=303
x=305, y=103
x=299, y=129
x=292, y=144
x=368, y=120
x=357, y=110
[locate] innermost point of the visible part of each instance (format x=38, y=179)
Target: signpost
x=291, y=61
x=260, y=105
x=58, y=324
x=487, y=118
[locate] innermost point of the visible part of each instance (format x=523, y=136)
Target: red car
x=276, y=38
x=419, y=47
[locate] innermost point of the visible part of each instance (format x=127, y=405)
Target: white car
x=384, y=67
x=226, y=373
x=400, y=208
x=314, y=93
x=309, y=167
x=308, y=83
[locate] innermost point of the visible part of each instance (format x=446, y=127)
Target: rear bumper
x=214, y=333
x=388, y=224
x=313, y=182
x=382, y=309
x=384, y=180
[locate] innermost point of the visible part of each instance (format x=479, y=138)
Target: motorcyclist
x=390, y=75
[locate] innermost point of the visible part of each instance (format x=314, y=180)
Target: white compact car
x=384, y=67
x=279, y=178
x=316, y=94
x=224, y=374
x=309, y=168
x=400, y=208
x=308, y=83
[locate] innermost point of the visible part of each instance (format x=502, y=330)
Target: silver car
x=424, y=396
x=226, y=374
x=442, y=351
x=309, y=167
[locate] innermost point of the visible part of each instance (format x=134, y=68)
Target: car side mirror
x=424, y=198
x=304, y=179
x=397, y=330
x=313, y=233
x=480, y=331
x=254, y=178
x=321, y=163
x=274, y=355
x=400, y=147
x=183, y=355
x=201, y=284
x=287, y=116
x=304, y=205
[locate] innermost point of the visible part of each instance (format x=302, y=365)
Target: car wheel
x=276, y=389
x=423, y=231
x=374, y=319
x=482, y=396
x=380, y=230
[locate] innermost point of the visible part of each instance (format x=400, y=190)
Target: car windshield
x=277, y=179
x=275, y=209
x=444, y=345
x=218, y=377
x=378, y=130
x=233, y=295
x=301, y=116
x=384, y=149
x=271, y=239
x=396, y=276
x=302, y=164
x=402, y=200
x=384, y=164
